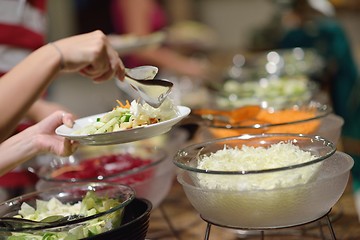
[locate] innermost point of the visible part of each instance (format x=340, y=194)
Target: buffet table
x=176, y=219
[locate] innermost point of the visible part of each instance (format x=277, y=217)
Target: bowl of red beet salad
x=143, y=168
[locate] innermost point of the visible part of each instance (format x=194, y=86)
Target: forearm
x=46, y=61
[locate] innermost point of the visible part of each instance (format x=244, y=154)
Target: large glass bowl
x=141, y=167
x=264, y=197
x=276, y=93
x=95, y=222
x=300, y=119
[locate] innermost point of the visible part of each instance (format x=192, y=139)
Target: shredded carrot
x=281, y=116
x=127, y=105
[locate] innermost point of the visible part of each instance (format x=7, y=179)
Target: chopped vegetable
x=91, y=204
x=129, y=116
x=248, y=158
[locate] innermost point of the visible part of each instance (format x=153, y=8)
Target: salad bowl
x=100, y=205
x=144, y=168
x=313, y=118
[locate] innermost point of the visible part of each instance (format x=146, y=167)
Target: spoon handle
x=16, y=223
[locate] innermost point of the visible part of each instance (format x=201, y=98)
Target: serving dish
x=125, y=44
x=275, y=92
x=264, y=197
x=45, y=203
x=276, y=62
x=273, y=78
x=305, y=119
x=122, y=136
x=141, y=167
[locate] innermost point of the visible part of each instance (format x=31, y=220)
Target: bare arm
x=90, y=54
x=23, y=84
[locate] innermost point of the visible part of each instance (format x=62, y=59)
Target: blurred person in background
x=138, y=18
x=89, y=54
x=22, y=30
x=310, y=24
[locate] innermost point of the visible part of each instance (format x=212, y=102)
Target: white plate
x=122, y=136
x=130, y=43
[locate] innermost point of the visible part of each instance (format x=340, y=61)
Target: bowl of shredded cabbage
x=263, y=181
x=99, y=207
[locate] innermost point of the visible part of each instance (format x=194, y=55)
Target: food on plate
x=128, y=116
x=90, y=205
x=111, y=165
x=250, y=158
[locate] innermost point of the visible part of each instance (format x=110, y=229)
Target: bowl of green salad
x=89, y=209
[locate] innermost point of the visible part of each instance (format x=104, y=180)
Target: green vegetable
x=91, y=204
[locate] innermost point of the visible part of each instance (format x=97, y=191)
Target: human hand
x=45, y=139
x=37, y=139
x=91, y=55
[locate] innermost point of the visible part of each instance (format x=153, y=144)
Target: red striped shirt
x=22, y=30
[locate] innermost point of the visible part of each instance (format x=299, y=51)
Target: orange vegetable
x=127, y=105
x=263, y=117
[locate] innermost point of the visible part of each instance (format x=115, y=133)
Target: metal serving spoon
x=142, y=72
x=18, y=223
x=152, y=91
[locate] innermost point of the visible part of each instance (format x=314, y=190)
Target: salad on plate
x=125, y=123
x=128, y=116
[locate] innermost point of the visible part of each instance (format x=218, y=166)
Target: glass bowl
x=143, y=168
x=286, y=193
x=104, y=210
x=275, y=92
x=300, y=119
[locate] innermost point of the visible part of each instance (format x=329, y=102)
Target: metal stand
x=262, y=230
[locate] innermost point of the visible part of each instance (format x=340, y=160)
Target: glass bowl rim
x=130, y=198
x=323, y=110
x=326, y=142
x=47, y=177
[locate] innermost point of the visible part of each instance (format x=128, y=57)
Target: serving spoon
x=153, y=91
x=145, y=72
x=18, y=223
